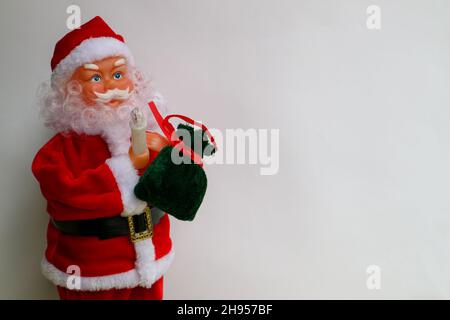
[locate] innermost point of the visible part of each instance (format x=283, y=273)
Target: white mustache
x=115, y=94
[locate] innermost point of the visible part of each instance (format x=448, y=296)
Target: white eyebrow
x=119, y=62
x=91, y=66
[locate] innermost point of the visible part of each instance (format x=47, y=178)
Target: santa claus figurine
x=117, y=244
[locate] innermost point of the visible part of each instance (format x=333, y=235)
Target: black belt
x=137, y=227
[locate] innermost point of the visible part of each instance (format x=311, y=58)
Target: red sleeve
x=73, y=194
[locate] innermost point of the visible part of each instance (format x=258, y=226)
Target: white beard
x=111, y=123
x=117, y=133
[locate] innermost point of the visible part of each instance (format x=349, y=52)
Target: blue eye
x=117, y=75
x=96, y=78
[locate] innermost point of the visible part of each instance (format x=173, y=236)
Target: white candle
x=138, y=125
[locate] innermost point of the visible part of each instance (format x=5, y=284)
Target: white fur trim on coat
x=88, y=51
x=126, y=179
x=129, y=279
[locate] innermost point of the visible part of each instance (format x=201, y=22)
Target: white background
x=364, y=142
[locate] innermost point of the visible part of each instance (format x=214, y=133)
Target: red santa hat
x=93, y=41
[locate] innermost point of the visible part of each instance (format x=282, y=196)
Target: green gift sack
x=176, y=187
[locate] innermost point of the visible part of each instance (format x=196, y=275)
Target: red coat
x=81, y=179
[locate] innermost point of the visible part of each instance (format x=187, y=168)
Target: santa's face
x=105, y=81
x=97, y=98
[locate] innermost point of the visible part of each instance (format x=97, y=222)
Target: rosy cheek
x=89, y=89
x=96, y=87
x=129, y=84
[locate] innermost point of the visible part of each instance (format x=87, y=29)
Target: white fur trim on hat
x=90, y=50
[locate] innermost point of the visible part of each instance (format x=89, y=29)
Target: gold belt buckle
x=148, y=233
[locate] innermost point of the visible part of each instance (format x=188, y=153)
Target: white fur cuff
x=126, y=178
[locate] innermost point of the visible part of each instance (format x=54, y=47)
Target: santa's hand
x=156, y=142
x=139, y=161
